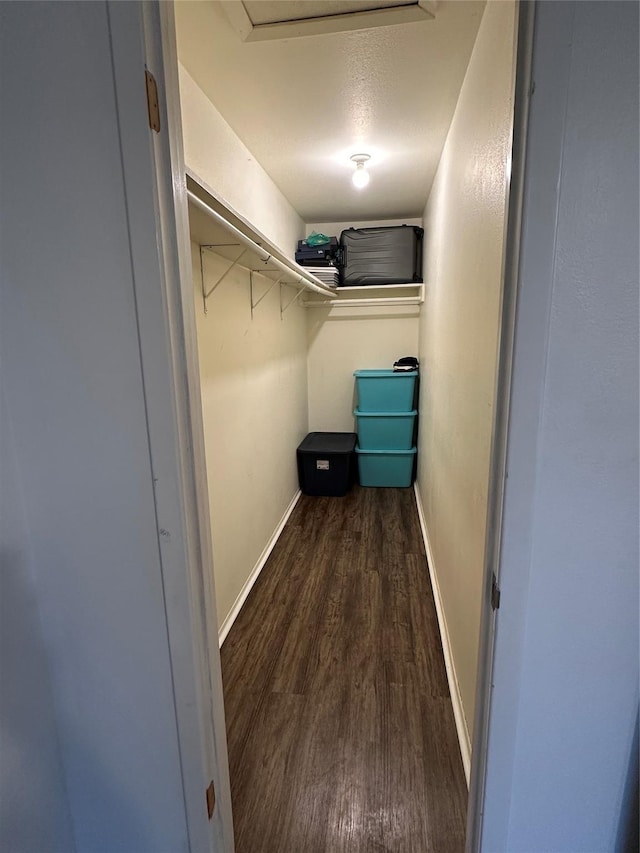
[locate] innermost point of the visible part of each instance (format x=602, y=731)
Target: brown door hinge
x=211, y=799
x=495, y=592
x=152, y=101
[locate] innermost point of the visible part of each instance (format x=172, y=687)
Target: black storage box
x=374, y=256
x=326, y=463
x=318, y=256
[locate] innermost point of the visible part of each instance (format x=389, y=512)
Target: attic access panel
x=261, y=20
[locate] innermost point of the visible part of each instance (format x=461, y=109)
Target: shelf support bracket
x=257, y=302
x=283, y=307
x=206, y=294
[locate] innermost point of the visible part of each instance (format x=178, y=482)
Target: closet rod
x=259, y=250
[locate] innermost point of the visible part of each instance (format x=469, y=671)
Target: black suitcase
x=373, y=256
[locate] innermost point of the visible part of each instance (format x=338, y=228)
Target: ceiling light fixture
x=360, y=177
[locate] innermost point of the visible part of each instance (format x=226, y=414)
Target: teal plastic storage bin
x=385, y=430
x=386, y=468
x=384, y=390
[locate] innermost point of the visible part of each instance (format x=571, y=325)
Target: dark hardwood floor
x=340, y=726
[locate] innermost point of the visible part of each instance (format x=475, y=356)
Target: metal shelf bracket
x=256, y=302
x=284, y=306
x=212, y=247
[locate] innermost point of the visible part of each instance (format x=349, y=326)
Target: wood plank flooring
x=340, y=726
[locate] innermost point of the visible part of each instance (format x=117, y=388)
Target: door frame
x=498, y=465
x=143, y=38
x=172, y=216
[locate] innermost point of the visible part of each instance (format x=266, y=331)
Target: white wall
x=72, y=377
x=342, y=340
x=253, y=369
x=216, y=154
x=254, y=396
x=464, y=227
x=565, y=701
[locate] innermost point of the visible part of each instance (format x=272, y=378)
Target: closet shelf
x=216, y=227
x=242, y=251
x=377, y=297
x=405, y=285
x=374, y=302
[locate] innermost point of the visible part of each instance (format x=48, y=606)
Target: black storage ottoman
x=326, y=463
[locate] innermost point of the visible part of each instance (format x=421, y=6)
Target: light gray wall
x=562, y=761
x=34, y=811
x=74, y=392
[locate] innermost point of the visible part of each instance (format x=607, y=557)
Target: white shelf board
x=417, y=285
x=398, y=301
x=217, y=229
x=378, y=299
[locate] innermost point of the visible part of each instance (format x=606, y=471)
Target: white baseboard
x=253, y=577
x=454, y=689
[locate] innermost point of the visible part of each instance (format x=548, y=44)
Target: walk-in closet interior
x=276, y=97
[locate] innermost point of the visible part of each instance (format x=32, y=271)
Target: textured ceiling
x=303, y=105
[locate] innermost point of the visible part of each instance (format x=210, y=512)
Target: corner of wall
x=234, y=173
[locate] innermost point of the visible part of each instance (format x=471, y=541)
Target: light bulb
x=360, y=177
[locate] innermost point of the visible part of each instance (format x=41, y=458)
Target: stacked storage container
x=386, y=425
